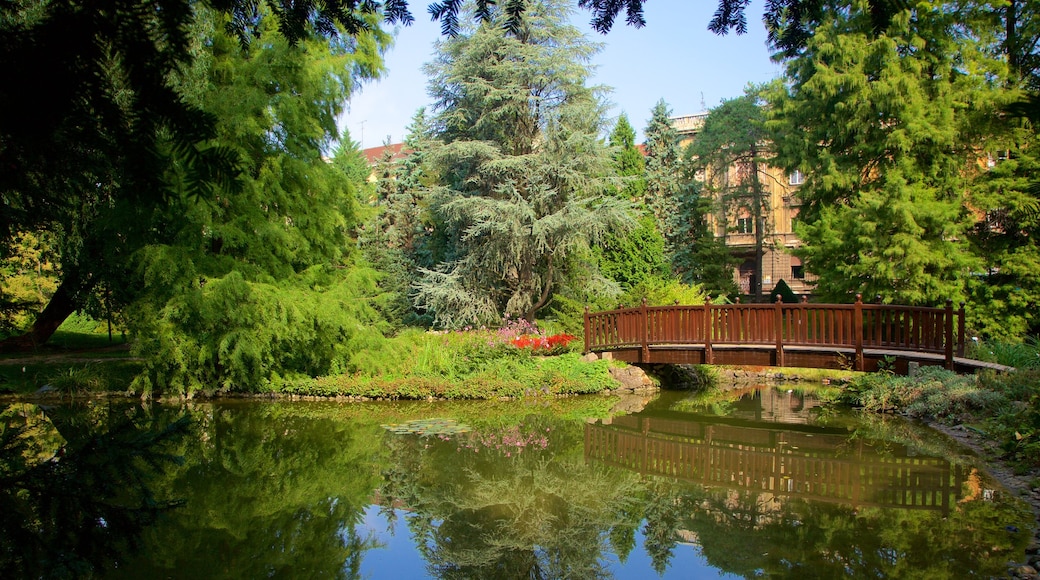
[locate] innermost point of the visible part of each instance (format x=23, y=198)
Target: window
x=796, y=178
x=797, y=272
x=745, y=225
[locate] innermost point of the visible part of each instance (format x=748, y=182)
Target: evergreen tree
x=628, y=161
x=730, y=149
x=662, y=167
x=521, y=169
x=258, y=285
x=632, y=257
x=700, y=257
x=876, y=123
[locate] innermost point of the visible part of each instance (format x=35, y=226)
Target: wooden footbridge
x=858, y=336
x=798, y=461
x=855, y=336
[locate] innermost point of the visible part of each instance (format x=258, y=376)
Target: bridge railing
x=842, y=326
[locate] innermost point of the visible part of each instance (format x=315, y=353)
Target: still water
x=763, y=483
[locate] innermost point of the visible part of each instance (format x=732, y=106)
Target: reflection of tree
x=486, y=511
x=72, y=506
x=268, y=493
x=753, y=535
x=662, y=521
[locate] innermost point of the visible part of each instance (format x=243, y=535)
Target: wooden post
x=779, y=330
x=709, y=358
x=857, y=331
x=644, y=356
x=949, y=335
x=960, y=331
x=587, y=337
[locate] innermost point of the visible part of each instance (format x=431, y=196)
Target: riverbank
x=1021, y=485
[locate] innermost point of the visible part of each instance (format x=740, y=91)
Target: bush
x=933, y=392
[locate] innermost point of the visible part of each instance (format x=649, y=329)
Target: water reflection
x=749, y=487
x=775, y=490
x=75, y=486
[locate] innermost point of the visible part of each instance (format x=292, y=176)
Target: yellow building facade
x=736, y=227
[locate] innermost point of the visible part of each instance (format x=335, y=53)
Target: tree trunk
x=760, y=222
x=60, y=307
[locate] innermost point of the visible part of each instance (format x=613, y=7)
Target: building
x=738, y=227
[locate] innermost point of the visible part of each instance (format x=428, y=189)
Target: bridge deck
x=852, y=336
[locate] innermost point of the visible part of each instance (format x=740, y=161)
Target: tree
x=876, y=123
x=662, y=166
x=730, y=149
x=259, y=284
x=628, y=161
x=700, y=257
x=632, y=257
x=522, y=169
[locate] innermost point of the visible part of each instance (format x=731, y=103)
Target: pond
x=764, y=483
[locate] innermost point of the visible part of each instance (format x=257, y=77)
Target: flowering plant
x=548, y=344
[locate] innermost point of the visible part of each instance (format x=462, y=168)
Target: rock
x=590, y=357
x=632, y=378
x=1024, y=571
x=630, y=404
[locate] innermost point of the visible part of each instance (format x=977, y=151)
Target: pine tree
x=628, y=161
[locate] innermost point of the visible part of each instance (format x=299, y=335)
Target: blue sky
x=673, y=57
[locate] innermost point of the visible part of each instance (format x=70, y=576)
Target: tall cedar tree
x=730, y=149
x=522, y=168
x=877, y=125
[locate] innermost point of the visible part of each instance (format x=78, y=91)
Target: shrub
x=933, y=392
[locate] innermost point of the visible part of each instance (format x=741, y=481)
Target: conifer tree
x=628, y=161
x=730, y=149
x=632, y=257
x=522, y=169
x=877, y=124
x=662, y=166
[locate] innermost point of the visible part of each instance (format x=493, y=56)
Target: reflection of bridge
x=860, y=336
x=805, y=462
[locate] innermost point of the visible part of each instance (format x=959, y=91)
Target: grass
x=1023, y=355
x=68, y=378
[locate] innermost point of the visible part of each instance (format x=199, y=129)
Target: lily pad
x=428, y=427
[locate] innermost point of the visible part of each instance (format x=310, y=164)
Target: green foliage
x=698, y=256
x=628, y=161
x=1007, y=291
x=468, y=364
x=98, y=376
x=663, y=158
x=932, y=392
x=785, y=293
x=28, y=278
x=521, y=172
x=729, y=150
x=568, y=312
x=631, y=258
x=236, y=335
x=1022, y=355
x=882, y=128
x=1017, y=424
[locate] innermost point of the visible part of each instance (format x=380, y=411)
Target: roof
x=374, y=154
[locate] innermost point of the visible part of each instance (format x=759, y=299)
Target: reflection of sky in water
x=397, y=557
